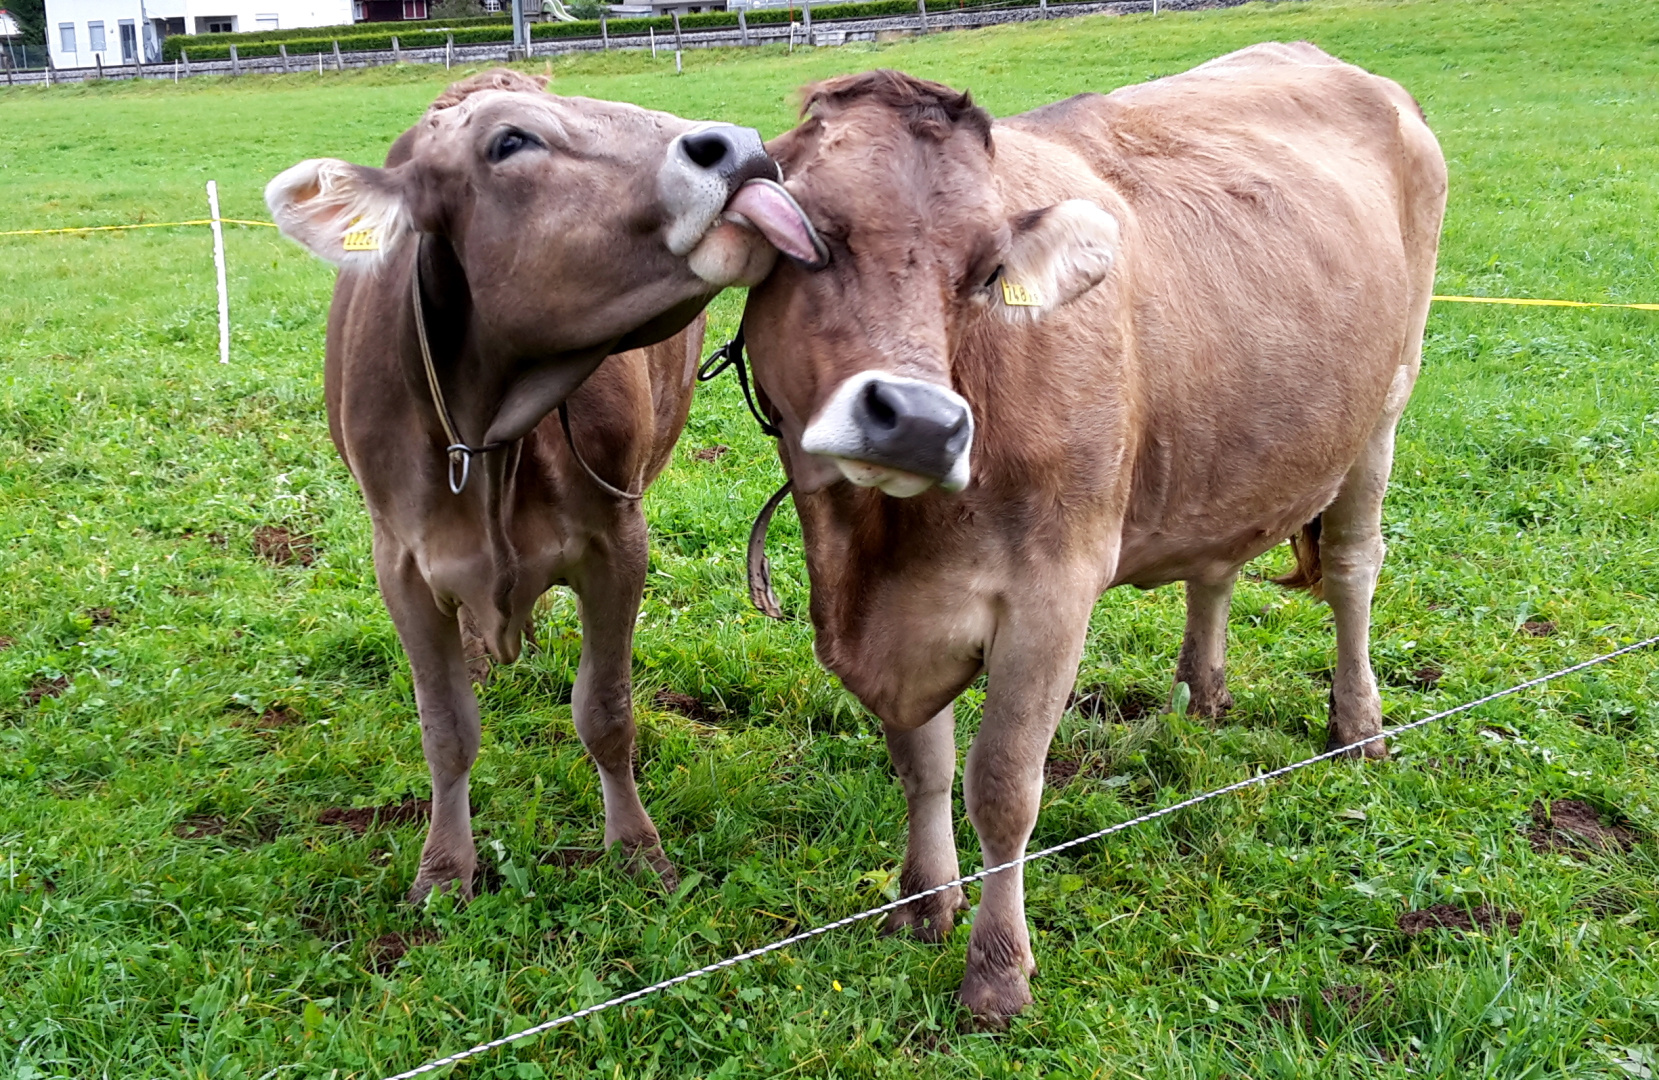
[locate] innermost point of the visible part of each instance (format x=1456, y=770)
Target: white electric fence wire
x=1260, y=778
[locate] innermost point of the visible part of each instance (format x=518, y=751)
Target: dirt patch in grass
x=1571, y=825
x=710, y=453
x=360, y=819
x=1538, y=628
x=1285, y=1010
x=386, y=950
x=570, y=857
x=1058, y=772
x=686, y=705
x=274, y=718
x=1425, y=677
x=45, y=688
x=101, y=616
x=6, y=643
x=1608, y=903
x=1348, y=999
x=1102, y=702
x=200, y=826
x=1447, y=917
x=280, y=546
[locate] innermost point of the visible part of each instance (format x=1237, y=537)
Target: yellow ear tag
x=1017, y=295
x=361, y=240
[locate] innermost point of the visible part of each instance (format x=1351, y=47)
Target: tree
x=31, y=19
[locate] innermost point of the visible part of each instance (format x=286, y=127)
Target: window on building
x=129, y=40
x=414, y=9
x=215, y=24
x=492, y=5
x=95, y=37
x=266, y=22
x=66, y=37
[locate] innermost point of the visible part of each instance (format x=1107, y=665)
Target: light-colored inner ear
x=348, y=214
x=1067, y=252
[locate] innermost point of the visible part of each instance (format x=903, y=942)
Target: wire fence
x=870, y=913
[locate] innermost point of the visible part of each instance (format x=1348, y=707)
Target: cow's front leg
x=1203, y=662
x=1031, y=667
x=448, y=714
x=925, y=759
x=609, y=584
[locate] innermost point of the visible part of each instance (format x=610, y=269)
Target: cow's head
x=854, y=351
x=575, y=227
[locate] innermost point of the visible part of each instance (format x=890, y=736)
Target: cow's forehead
x=563, y=118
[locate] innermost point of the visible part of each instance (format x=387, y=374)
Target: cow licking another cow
x=1125, y=339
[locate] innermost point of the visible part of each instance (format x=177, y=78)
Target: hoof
x=1374, y=751
x=927, y=920
x=649, y=856
x=994, y=998
x=443, y=882
x=1210, y=706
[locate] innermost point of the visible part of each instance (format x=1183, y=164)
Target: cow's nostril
x=706, y=149
x=877, y=406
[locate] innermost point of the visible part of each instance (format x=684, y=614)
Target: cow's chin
x=894, y=482
x=732, y=253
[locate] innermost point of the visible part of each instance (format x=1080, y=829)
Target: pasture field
x=196, y=667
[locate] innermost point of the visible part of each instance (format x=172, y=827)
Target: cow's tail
x=1308, y=574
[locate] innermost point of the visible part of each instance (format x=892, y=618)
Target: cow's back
x=1281, y=211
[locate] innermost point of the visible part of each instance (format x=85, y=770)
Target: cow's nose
x=734, y=154
x=912, y=423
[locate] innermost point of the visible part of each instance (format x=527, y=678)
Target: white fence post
x=604, y=32
x=219, y=269
x=921, y=9
x=743, y=25
x=653, y=31
x=449, y=51
x=282, y=50
x=806, y=21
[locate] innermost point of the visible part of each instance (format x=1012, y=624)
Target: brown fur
x=1278, y=215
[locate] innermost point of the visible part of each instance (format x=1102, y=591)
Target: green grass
x=134, y=470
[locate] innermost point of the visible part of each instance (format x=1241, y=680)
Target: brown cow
x=518, y=239
x=1125, y=339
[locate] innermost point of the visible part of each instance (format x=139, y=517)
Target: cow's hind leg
x=609, y=584
x=925, y=759
x=1351, y=554
x=448, y=715
x=1203, y=662
x=1031, y=667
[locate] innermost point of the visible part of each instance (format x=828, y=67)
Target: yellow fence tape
x=143, y=225
x=1518, y=301
x=1537, y=303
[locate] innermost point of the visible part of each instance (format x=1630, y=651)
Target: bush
x=413, y=35
x=217, y=46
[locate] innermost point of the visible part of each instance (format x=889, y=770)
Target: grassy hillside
x=184, y=691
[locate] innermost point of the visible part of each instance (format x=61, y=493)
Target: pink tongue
x=770, y=209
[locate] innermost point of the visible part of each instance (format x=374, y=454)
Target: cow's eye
x=992, y=280
x=508, y=143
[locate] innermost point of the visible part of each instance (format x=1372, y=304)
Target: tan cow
x=1124, y=339
x=513, y=242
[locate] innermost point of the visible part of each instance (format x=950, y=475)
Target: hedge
x=217, y=46
x=197, y=42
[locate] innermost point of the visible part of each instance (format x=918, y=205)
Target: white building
x=80, y=33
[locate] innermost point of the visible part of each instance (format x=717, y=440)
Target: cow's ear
x=1056, y=254
x=351, y=215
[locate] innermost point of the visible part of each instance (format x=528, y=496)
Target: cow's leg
x=1203, y=662
x=609, y=585
x=1031, y=666
x=925, y=759
x=448, y=714
x=1351, y=554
